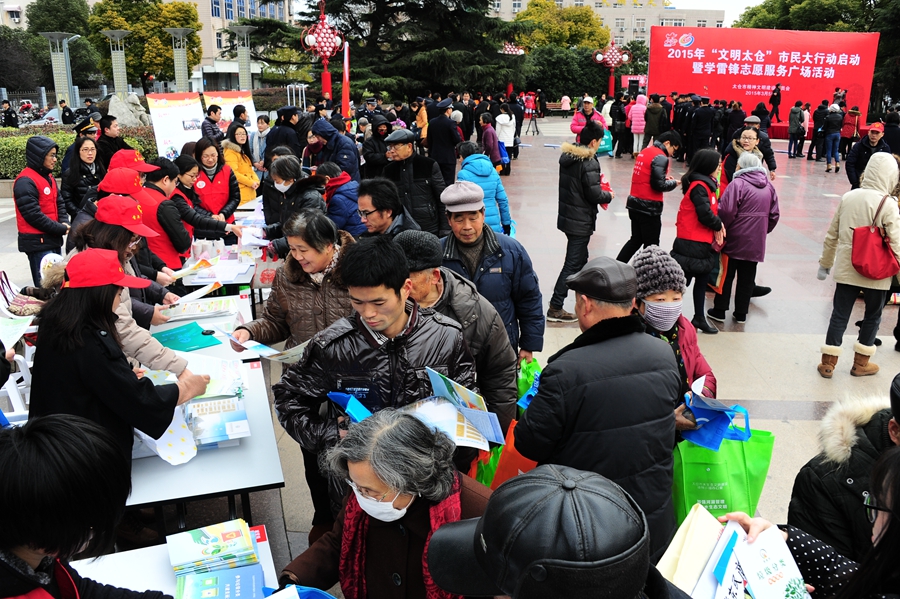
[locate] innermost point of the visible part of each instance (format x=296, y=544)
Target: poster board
x=745, y=64
x=176, y=120
x=228, y=100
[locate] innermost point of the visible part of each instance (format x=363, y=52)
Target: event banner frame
x=228, y=100
x=745, y=64
x=176, y=120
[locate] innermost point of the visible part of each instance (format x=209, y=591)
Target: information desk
x=253, y=465
x=149, y=569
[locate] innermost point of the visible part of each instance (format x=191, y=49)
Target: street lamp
x=117, y=55
x=69, y=85
x=613, y=58
x=324, y=41
x=245, y=81
x=179, y=54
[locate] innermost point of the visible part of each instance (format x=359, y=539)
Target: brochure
x=770, y=568
x=12, y=329
x=188, y=270
x=176, y=446
x=226, y=271
x=470, y=404
x=288, y=356
x=202, y=309
x=217, y=420
x=445, y=416
x=195, y=295
x=245, y=582
x=210, y=548
x=186, y=338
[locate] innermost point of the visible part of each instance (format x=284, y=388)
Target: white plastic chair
x=18, y=392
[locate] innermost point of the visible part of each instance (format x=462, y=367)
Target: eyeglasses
x=872, y=508
x=88, y=150
x=192, y=177
x=367, y=493
x=364, y=214
x=748, y=138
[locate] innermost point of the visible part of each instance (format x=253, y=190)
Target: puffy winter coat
x=795, y=121
x=859, y=157
x=39, y=229
x=648, y=181
x=346, y=357
x=653, y=120
x=73, y=193
x=478, y=169
x=210, y=128
x=506, y=278
x=342, y=205
x=638, y=113
x=828, y=495
x=302, y=195
x=505, y=126
x=490, y=141
x=483, y=330
x=851, y=124
x=694, y=227
x=749, y=211
x=338, y=149
x=298, y=308
x=579, y=190
x=583, y=415
x=374, y=148
x=107, y=146
x=580, y=119
x=421, y=184
x=857, y=209
x=242, y=167
x=834, y=122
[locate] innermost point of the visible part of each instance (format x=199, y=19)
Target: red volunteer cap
x=125, y=212
x=124, y=182
x=130, y=159
x=877, y=127
x=96, y=267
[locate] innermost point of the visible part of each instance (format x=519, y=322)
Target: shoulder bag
x=871, y=253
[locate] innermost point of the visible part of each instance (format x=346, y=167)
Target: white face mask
x=662, y=316
x=283, y=187
x=381, y=510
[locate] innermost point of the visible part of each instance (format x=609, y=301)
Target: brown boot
x=861, y=364
x=830, y=355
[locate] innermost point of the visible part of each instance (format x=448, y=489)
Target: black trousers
x=745, y=270
x=318, y=488
x=449, y=172
x=645, y=230
x=817, y=144
x=773, y=115
x=576, y=257
x=844, y=298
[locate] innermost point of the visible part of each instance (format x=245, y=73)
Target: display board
x=176, y=120
x=228, y=100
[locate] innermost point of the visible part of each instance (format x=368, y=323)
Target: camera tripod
x=532, y=122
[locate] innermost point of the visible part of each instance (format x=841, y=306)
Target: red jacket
x=694, y=363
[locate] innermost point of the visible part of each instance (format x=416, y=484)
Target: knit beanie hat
x=423, y=250
x=657, y=272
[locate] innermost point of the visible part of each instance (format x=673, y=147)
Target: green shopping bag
x=606, y=144
x=527, y=371
x=728, y=480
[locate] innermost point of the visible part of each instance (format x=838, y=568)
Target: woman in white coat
x=505, y=124
x=857, y=209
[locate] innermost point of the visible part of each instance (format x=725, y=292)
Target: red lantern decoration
x=324, y=41
x=611, y=57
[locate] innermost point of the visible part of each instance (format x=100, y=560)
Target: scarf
x=318, y=277
x=334, y=183
x=353, y=545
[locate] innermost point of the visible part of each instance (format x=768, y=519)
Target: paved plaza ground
x=766, y=365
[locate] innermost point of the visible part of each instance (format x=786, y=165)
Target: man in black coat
x=10, y=118
x=775, y=101
x=109, y=142
x=443, y=137
x=701, y=126
x=419, y=181
x=210, y=126
x=65, y=113
x=863, y=149
x=892, y=131
x=817, y=142
x=585, y=414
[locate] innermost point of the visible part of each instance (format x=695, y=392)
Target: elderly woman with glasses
x=403, y=487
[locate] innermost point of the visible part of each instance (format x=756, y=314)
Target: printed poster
x=228, y=100
x=176, y=120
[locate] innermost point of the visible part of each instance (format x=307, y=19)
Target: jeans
x=794, y=144
x=844, y=298
x=832, y=141
x=576, y=258
x=34, y=261
x=645, y=231
x=745, y=270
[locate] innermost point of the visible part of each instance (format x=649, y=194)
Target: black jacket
x=100, y=386
x=421, y=184
x=27, y=200
x=606, y=404
x=696, y=257
x=346, y=357
x=374, y=148
x=827, y=499
x=67, y=116
x=74, y=194
x=832, y=123
x=818, y=117
x=338, y=149
x=892, y=136
x=702, y=121
x=282, y=135
x=107, y=146
x=580, y=194
x=205, y=226
x=859, y=156
x=15, y=584
x=10, y=119
x=443, y=137
x=303, y=194
x=659, y=169
x=210, y=129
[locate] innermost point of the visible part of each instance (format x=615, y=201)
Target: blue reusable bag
x=716, y=426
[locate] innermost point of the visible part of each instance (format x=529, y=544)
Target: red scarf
x=334, y=183
x=353, y=545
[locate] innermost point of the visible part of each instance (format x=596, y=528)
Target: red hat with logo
x=95, y=267
x=125, y=212
x=124, y=182
x=130, y=159
x=877, y=127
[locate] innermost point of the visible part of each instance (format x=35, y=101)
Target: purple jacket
x=489, y=143
x=749, y=211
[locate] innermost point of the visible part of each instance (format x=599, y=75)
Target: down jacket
x=579, y=190
x=73, y=195
x=580, y=120
x=477, y=168
x=655, y=178
x=506, y=278
x=298, y=308
x=483, y=330
x=338, y=149
x=828, y=495
x=302, y=195
x=859, y=157
x=637, y=114
x=374, y=149
x=749, y=211
x=204, y=225
x=343, y=205
x=694, y=256
x=346, y=357
x=857, y=209
x=421, y=184
x=242, y=167
x=583, y=416
x=28, y=205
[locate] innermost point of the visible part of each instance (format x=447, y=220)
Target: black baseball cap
x=552, y=532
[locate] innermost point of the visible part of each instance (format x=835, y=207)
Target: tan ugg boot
x=861, y=364
x=830, y=355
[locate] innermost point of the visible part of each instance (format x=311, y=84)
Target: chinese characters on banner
x=745, y=64
x=228, y=100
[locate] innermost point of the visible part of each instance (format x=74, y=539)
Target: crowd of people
x=396, y=234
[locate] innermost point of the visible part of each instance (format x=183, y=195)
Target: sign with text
x=176, y=120
x=228, y=100
x=745, y=64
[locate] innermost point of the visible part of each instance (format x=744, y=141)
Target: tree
x=574, y=26
x=19, y=68
x=565, y=71
x=69, y=16
x=148, y=48
x=640, y=58
x=285, y=65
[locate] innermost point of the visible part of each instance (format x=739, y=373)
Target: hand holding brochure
x=470, y=404
x=200, y=264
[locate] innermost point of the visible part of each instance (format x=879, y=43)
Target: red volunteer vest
x=64, y=580
x=640, y=176
x=687, y=225
x=213, y=195
x=46, y=196
x=160, y=245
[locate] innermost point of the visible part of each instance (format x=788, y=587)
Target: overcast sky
x=732, y=9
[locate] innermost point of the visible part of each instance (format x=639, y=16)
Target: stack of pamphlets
x=217, y=421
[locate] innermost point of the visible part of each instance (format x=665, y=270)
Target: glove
x=507, y=229
x=823, y=272
x=271, y=251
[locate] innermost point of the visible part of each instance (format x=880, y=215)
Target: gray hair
x=467, y=148
x=313, y=227
x=287, y=167
x=748, y=160
x=405, y=454
x=456, y=116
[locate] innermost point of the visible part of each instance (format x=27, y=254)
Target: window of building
x=251, y=9
x=496, y=5
x=701, y=23
x=558, y=3
x=14, y=14
x=219, y=40
x=720, y=24
x=640, y=24
x=229, y=10
x=217, y=8
x=620, y=24
x=281, y=11
x=598, y=5
x=672, y=22
x=579, y=2
x=640, y=38
x=517, y=5
x=619, y=40
x=240, y=9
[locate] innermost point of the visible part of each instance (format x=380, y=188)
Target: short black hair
x=329, y=169
x=313, y=227
x=704, y=162
x=166, y=168
x=65, y=482
x=213, y=108
x=281, y=151
x=486, y=118
x=671, y=136
x=893, y=118
x=592, y=130
x=287, y=167
x=798, y=103
x=238, y=110
x=375, y=261
x=185, y=163
x=264, y=118
x=384, y=194
x=106, y=122
x=5, y=102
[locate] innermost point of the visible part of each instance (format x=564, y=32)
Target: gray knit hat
x=657, y=272
x=423, y=250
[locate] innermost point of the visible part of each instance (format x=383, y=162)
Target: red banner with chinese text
x=745, y=64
